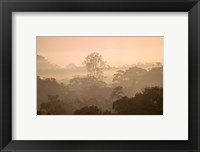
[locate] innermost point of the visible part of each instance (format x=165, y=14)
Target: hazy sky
x=115, y=51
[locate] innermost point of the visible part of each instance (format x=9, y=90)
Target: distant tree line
x=134, y=91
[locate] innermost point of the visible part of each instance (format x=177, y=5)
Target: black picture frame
x=9, y=6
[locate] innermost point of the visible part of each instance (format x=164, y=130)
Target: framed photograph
x=99, y=75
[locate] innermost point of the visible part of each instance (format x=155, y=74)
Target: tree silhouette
x=85, y=82
x=117, y=93
x=148, y=102
x=119, y=76
x=88, y=110
x=135, y=79
x=95, y=65
x=92, y=110
x=89, y=95
x=49, y=86
x=54, y=106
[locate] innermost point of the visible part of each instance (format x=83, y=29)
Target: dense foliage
x=133, y=91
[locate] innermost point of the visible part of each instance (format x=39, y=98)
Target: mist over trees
x=95, y=65
x=132, y=90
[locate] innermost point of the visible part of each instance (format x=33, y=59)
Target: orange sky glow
x=116, y=51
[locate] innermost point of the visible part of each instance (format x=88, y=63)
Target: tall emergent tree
x=95, y=65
